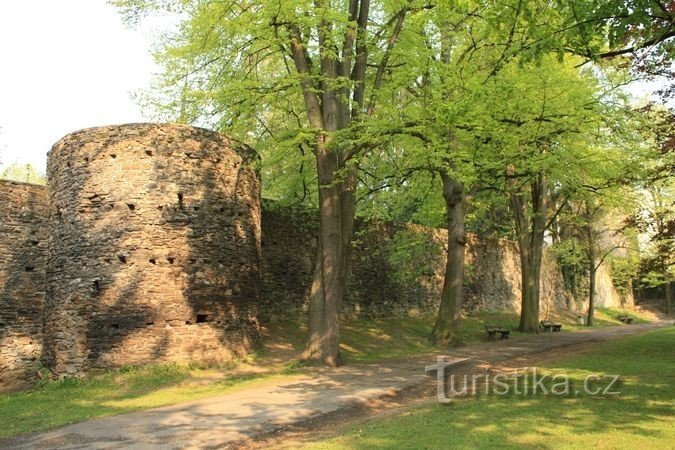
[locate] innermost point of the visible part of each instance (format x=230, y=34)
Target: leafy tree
x=25, y=173
x=592, y=223
x=656, y=218
x=419, y=143
x=466, y=46
x=639, y=34
x=471, y=64
x=320, y=87
x=552, y=134
x=299, y=73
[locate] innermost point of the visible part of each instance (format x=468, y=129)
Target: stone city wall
x=154, y=248
x=147, y=246
x=398, y=269
x=23, y=258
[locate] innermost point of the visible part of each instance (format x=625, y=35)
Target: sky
x=65, y=65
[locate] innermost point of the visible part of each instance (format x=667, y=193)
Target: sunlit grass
x=367, y=340
x=115, y=392
x=642, y=416
x=130, y=389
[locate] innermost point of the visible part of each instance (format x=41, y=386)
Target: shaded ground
x=231, y=420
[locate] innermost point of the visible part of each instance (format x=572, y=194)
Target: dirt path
x=226, y=420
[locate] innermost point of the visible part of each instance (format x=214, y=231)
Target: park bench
x=493, y=330
x=625, y=319
x=550, y=326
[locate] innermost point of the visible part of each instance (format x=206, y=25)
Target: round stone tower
x=154, y=250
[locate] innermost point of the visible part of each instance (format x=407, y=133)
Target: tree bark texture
x=668, y=297
x=530, y=222
x=592, y=268
x=331, y=107
x=450, y=308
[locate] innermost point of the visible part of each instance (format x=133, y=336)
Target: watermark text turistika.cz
x=523, y=381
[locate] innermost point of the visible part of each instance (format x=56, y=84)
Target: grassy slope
x=116, y=392
x=641, y=417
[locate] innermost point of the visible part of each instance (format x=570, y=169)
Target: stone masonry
x=154, y=250
x=384, y=283
x=147, y=246
x=23, y=257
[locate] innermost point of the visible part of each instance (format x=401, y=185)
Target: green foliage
x=624, y=270
x=652, y=279
x=655, y=219
x=412, y=253
x=391, y=194
x=640, y=32
x=488, y=216
x=573, y=261
x=24, y=173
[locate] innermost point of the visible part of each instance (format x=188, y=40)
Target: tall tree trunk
x=668, y=287
x=323, y=340
x=592, y=269
x=450, y=308
x=337, y=184
x=591, y=294
x=530, y=227
x=530, y=266
x=330, y=109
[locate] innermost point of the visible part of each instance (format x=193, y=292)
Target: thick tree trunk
x=323, y=340
x=450, y=308
x=530, y=227
x=331, y=271
x=530, y=266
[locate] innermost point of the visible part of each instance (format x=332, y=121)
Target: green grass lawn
x=115, y=392
x=642, y=416
x=119, y=391
x=377, y=339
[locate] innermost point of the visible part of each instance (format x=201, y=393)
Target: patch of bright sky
x=67, y=65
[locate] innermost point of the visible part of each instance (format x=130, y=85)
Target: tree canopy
x=416, y=110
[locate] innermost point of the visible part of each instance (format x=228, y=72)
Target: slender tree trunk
x=450, y=308
x=668, y=297
x=592, y=271
x=348, y=206
x=591, y=295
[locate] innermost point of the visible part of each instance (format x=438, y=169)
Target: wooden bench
x=625, y=319
x=550, y=326
x=493, y=330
